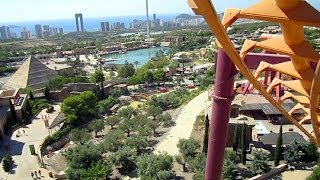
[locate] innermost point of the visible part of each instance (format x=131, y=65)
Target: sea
x=90, y=24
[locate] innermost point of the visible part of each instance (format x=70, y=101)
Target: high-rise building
x=79, y=25
x=60, y=30
x=25, y=34
x=38, y=28
x=46, y=28
x=4, y=33
x=46, y=34
x=53, y=31
x=122, y=26
x=8, y=32
x=103, y=26
x=13, y=35
x=107, y=26
x=154, y=18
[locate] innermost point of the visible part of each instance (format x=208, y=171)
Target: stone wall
x=277, y=170
x=72, y=88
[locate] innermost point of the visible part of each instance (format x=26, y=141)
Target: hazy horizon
x=39, y=10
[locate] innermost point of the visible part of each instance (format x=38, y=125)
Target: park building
x=18, y=101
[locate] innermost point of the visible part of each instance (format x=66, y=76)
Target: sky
x=22, y=10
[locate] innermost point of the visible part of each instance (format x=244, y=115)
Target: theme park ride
x=292, y=57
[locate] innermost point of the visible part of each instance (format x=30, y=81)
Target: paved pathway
x=18, y=147
x=184, y=125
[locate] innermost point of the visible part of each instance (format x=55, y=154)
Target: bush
x=301, y=152
x=38, y=104
x=6, y=162
x=315, y=174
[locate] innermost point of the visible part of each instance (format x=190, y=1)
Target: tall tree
x=244, y=144
x=80, y=135
x=113, y=120
x=97, y=126
x=13, y=112
x=279, y=149
x=47, y=93
x=236, y=138
x=31, y=96
x=154, y=111
x=98, y=77
x=206, y=136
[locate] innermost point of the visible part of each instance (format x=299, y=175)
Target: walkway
x=18, y=147
x=184, y=125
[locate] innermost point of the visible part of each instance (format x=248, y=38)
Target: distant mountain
x=187, y=16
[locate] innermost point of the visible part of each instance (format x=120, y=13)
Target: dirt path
x=184, y=125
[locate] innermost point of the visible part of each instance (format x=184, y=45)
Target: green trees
x=315, y=174
x=96, y=126
x=6, y=162
x=244, y=144
x=80, y=135
x=206, y=135
x=236, y=138
x=279, y=149
x=301, y=152
x=259, y=165
x=188, y=147
x=85, y=162
x=58, y=82
x=113, y=120
x=126, y=71
x=47, y=93
x=80, y=106
x=125, y=158
x=98, y=77
x=155, y=167
x=230, y=168
x=112, y=141
x=104, y=106
x=13, y=112
x=154, y=111
x=137, y=143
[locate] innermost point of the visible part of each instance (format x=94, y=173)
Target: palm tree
x=136, y=63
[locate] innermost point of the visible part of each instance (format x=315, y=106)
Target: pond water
x=141, y=55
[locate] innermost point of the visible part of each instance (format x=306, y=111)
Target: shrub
x=6, y=162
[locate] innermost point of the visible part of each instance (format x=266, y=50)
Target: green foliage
x=98, y=77
x=199, y=175
x=126, y=71
x=125, y=158
x=206, y=135
x=301, y=152
x=104, y=106
x=55, y=137
x=37, y=105
x=230, y=168
x=112, y=141
x=198, y=163
x=315, y=174
x=136, y=142
x=80, y=135
x=6, y=162
x=98, y=170
x=188, y=147
x=13, y=112
x=279, y=149
x=58, y=82
x=97, y=126
x=83, y=156
x=113, y=120
x=154, y=111
x=259, y=165
x=244, y=144
x=4, y=70
x=127, y=113
x=166, y=101
x=155, y=167
x=165, y=119
x=236, y=138
x=47, y=93
x=128, y=126
x=82, y=105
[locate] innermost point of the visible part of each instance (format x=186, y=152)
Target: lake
x=141, y=55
